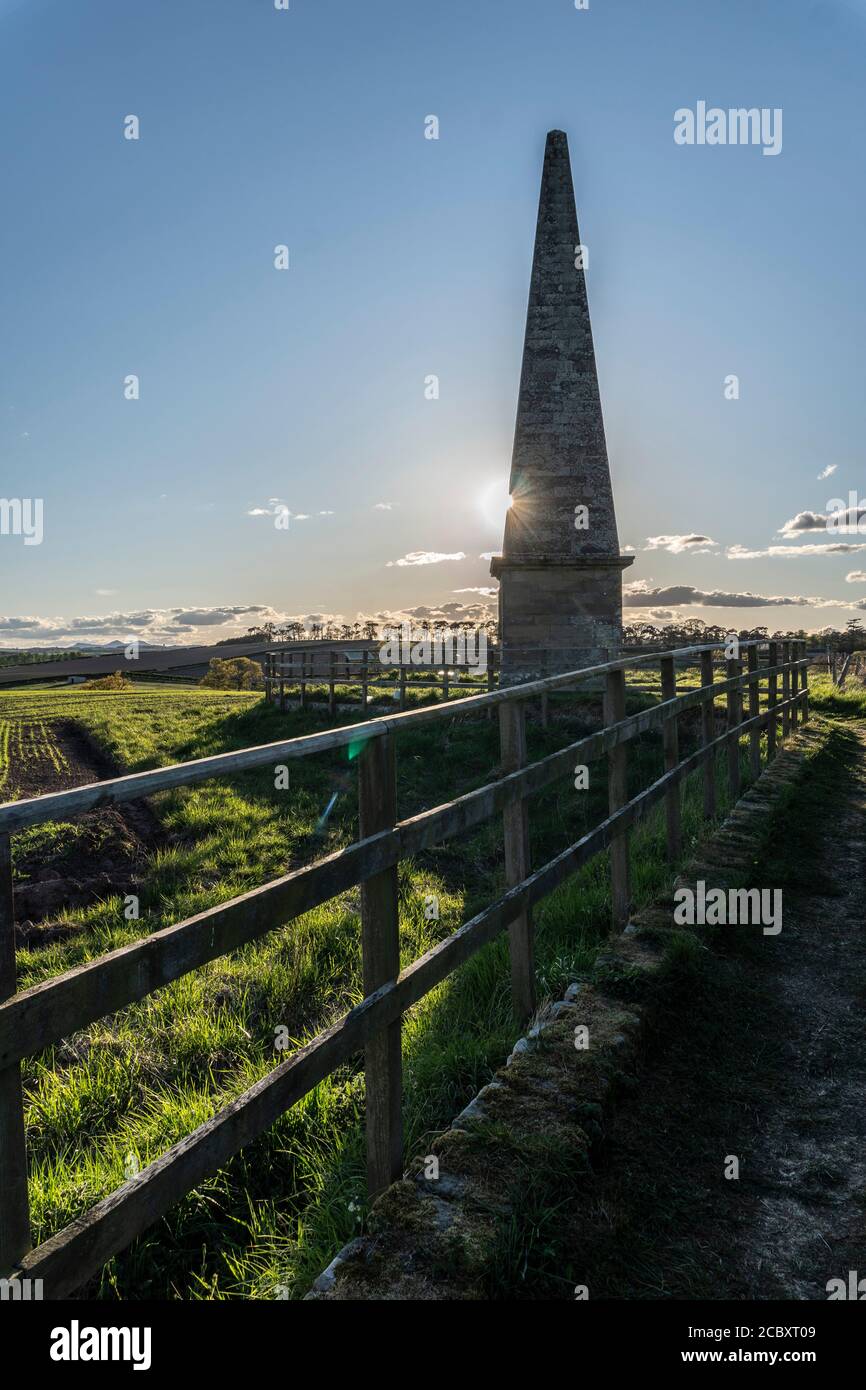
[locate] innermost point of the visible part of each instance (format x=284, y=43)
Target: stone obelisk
x=560, y=571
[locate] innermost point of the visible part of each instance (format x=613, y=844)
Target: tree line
x=369, y=631
x=691, y=632
x=695, y=632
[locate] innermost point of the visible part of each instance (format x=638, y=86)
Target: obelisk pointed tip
x=560, y=454
x=557, y=161
x=556, y=143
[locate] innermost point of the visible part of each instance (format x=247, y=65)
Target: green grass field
x=121, y=1092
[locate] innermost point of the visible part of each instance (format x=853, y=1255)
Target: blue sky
x=411, y=257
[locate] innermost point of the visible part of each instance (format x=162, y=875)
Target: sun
x=494, y=502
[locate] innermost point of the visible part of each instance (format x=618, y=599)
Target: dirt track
x=808, y=1164
x=767, y=1063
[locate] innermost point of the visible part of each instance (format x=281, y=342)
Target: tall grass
x=119, y=1093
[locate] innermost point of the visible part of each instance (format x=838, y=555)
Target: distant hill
x=15, y=656
x=25, y=656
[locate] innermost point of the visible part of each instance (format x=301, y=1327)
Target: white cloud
x=740, y=552
x=639, y=595
x=213, y=617
x=20, y=624
x=485, y=590
x=658, y=615
x=694, y=543
x=826, y=472
x=856, y=577
x=159, y=626
x=425, y=557
x=277, y=507
x=850, y=518
x=383, y=506
x=451, y=612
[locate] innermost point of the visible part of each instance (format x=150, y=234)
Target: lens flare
x=494, y=502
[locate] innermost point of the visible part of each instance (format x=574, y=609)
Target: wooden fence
x=35, y=1018
x=363, y=670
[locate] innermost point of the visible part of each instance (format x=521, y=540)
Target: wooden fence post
x=795, y=685
x=734, y=667
x=754, y=711
x=14, y=1207
x=843, y=669
x=617, y=791
x=402, y=686
x=708, y=733
x=772, y=700
x=515, y=826
x=804, y=686
x=283, y=681
x=671, y=742
x=332, y=685
x=380, y=944
x=786, y=689
x=364, y=678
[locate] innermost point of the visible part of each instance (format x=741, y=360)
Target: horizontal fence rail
x=366, y=670
x=17, y=815
x=36, y=1018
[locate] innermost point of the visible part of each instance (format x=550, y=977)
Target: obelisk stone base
x=558, y=616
